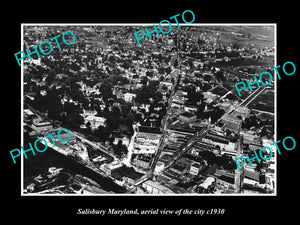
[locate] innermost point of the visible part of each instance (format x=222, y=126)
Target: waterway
x=35, y=165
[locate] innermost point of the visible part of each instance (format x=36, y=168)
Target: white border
x=22, y=114
x=147, y=24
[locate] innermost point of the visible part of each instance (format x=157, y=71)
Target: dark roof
x=181, y=129
x=187, y=114
x=217, y=136
x=144, y=158
x=252, y=174
x=153, y=130
x=178, y=167
x=122, y=171
x=226, y=179
x=198, y=165
x=165, y=158
x=134, y=175
x=211, y=170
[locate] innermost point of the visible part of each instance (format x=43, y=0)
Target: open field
x=248, y=36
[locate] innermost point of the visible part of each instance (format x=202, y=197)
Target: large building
x=143, y=161
x=110, y=167
x=254, y=175
x=187, y=117
x=41, y=126
x=147, y=140
x=133, y=178
x=178, y=170
x=156, y=188
x=242, y=111
x=159, y=167
x=226, y=144
x=225, y=179
x=204, y=186
x=231, y=123
x=121, y=172
x=195, y=168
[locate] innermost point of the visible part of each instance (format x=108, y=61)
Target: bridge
x=252, y=96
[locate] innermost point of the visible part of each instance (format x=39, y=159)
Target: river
x=35, y=165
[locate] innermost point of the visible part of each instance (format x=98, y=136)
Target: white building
x=159, y=167
x=267, y=143
x=95, y=121
x=41, y=126
x=108, y=168
x=147, y=140
x=226, y=144
x=209, y=181
x=156, y=188
x=270, y=181
x=195, y=168
x=129, y=97
x=169, y=85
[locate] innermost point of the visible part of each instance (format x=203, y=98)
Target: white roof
x=158, y=186
x=28, y=112
x=96, y=118
x=207, y=182
x=132, y=94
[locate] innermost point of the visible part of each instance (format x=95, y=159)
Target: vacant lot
x=264, y=102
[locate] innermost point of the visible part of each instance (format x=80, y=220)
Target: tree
x=185, y=80
x=112, y=123
x=53, y=104
x=149, y=73
x=200, y=110
x=209, y=156
x=164, y=87
x=175, y=64
x=106, y=92
x=74, y=121
x=120, y=149
x=125, y=109
x=207, y=77
x=129, y=119
x=236, y=45
x=219, y=76
x=144, y=80
x=161, y=70
x=137, y=117
x=88, y=125
x=75, y=67
x=51, y=73
x=116, y=113
x=102, y=133
x=216, y=114
x=258, y=167
x=168, y=70
x=57, y=69
x=118, y=79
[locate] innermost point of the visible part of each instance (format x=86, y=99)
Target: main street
x=164, y=125
x=162, y=140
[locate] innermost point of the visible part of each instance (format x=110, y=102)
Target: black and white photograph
x=162, y=117
x=142, y=112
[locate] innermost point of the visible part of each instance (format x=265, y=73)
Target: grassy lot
x=264, y=102
x=261, y=36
